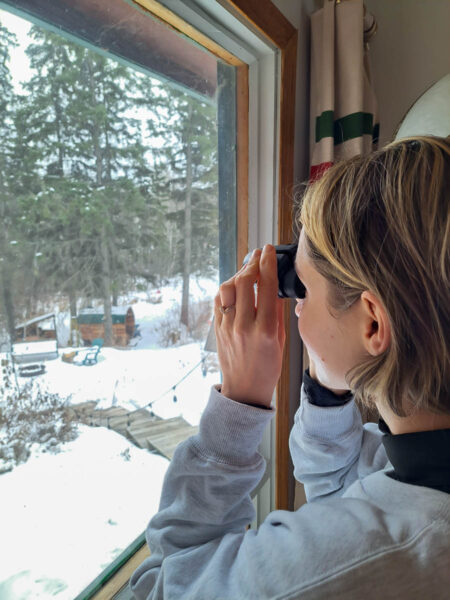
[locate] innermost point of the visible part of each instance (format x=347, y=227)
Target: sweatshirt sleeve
x=329, y=445
x=205, y=505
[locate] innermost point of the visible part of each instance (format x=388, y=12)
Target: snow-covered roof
x=35, y=320
x=115, y=310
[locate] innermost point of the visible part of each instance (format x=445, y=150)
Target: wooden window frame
x=264, y=17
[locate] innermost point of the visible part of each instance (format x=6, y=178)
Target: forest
x=108, y=182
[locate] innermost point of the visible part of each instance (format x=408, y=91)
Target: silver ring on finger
x=226, y=309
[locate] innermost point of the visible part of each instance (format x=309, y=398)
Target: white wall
x=410, y=52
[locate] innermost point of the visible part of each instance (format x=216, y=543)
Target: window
x=129, y=155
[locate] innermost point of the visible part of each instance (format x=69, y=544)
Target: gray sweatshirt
x=362, y=535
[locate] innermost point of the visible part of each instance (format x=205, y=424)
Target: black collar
x=419, y=458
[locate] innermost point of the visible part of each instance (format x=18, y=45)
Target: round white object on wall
x=430, y=114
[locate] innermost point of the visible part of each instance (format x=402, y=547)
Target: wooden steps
x=163, y=435
x=116, y=418
x=83, y=407
x=166, y=444
x=81, y=411
x=141, y=427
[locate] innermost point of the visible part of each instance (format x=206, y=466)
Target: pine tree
x=95, y=209
x=188, y=127
x=93, y=143
x=50, y=94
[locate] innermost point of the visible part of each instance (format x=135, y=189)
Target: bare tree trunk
x=72, y=304
x=74, y=331
x=106, y=289
x=6, y=298
x=106, y=284
x=187, y=236
x=96, y=129
x=60, y=146
x=32, y=295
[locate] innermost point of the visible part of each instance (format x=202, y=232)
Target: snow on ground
x=133, y=379
x=66, y=516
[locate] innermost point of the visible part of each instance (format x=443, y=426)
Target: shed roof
x=35, y=320
x=90, y=316
x=115, y=310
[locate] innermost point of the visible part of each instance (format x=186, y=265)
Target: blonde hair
x=382, y=223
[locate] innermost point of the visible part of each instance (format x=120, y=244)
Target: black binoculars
x=289, y=285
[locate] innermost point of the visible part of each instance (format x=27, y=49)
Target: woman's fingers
x=268, y=291
x=238, y=292
x=280, y=319
x=245, y=293
x=217, y=314
x=250, y=340
x=227, y=295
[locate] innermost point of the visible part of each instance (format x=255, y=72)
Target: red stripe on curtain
x=317, y=171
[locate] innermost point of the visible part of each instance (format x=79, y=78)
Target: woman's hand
x=250, y=336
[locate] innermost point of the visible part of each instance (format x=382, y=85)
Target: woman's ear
x=377, y=329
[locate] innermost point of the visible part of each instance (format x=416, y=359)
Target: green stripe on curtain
x=346, y=128
x=376, y=133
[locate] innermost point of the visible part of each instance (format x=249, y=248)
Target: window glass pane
x=109, y=263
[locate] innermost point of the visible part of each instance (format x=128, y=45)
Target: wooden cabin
x=91, y=324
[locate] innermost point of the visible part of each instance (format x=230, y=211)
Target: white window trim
x=213, y=20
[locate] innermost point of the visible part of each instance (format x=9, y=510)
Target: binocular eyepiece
x=289, y=285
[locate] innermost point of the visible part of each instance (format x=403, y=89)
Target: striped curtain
x=344, y=119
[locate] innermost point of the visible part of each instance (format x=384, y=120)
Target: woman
x=374, y=258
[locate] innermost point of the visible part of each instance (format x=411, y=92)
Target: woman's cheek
x=307, y=327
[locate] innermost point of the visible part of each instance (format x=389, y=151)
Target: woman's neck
x=420, y=420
